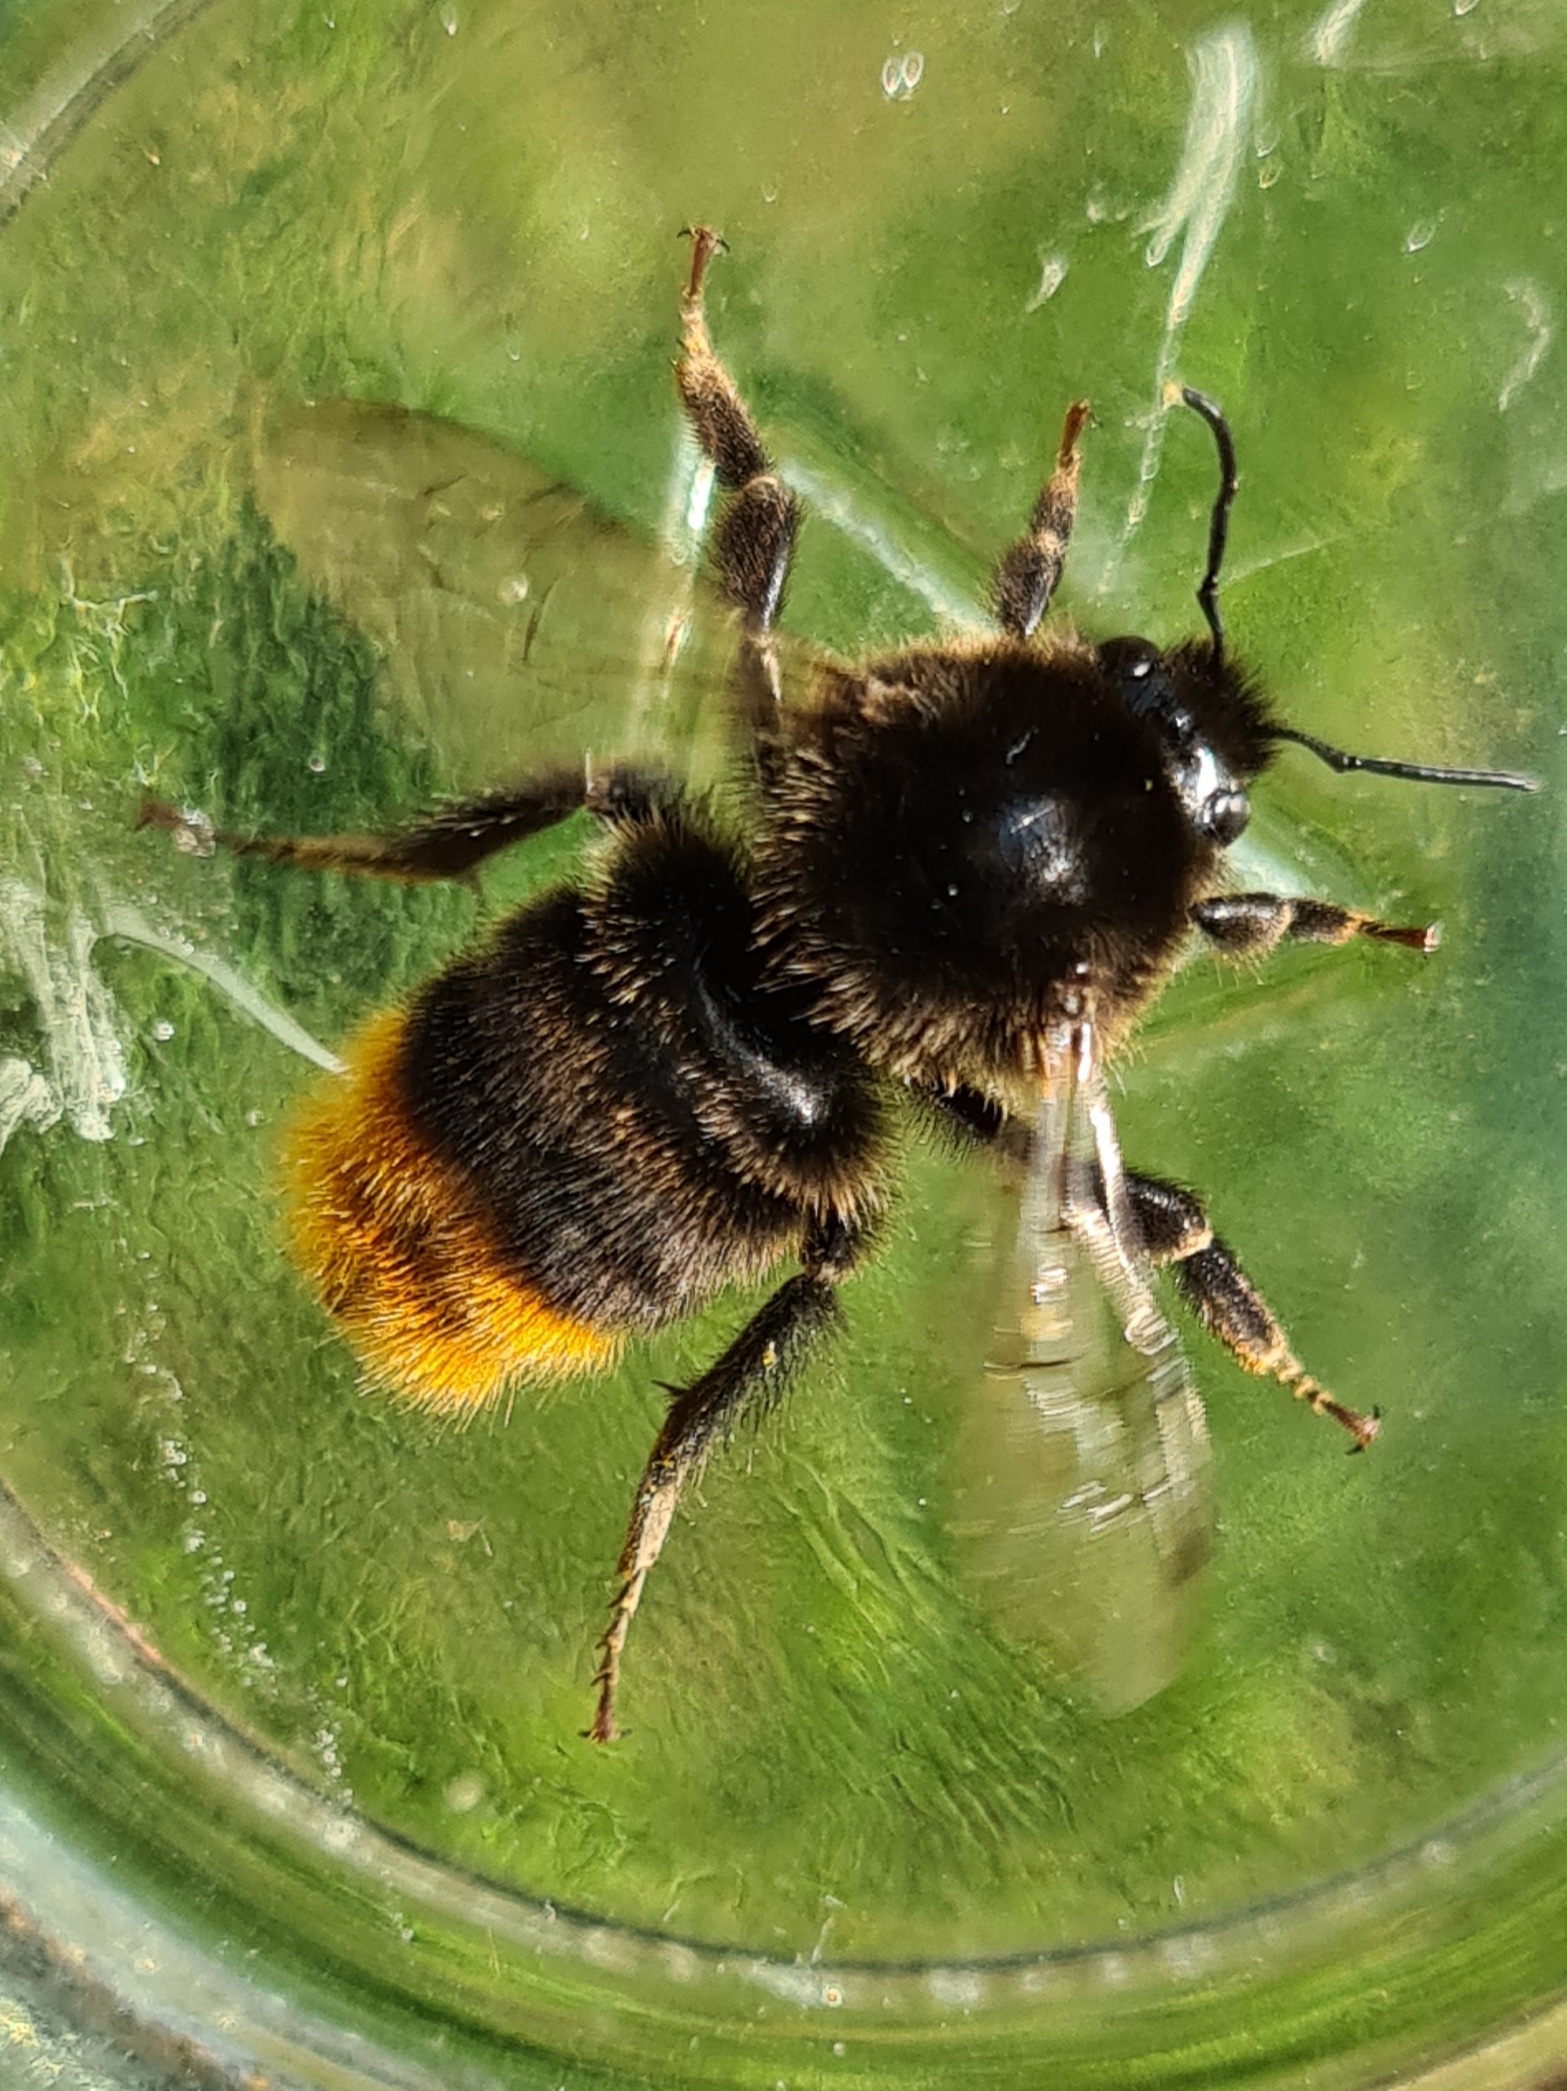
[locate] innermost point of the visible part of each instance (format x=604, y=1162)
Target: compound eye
x=1137, y=669
x=1224, y=816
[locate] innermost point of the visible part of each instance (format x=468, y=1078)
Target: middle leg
x=448, y=844
x=1174, y=1229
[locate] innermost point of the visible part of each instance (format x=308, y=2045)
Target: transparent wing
x=515, y=620
x=1085, y=1514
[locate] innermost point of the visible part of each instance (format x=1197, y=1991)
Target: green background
x=220, y=581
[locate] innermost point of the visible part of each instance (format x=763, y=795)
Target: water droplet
x=465, y=1792
x=901, y=75
x=1052, y=275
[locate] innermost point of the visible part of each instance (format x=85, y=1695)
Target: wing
x=1085, y=1512
x=515, y=620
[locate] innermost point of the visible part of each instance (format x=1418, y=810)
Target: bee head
x=1164, y=686
x=1210, y=722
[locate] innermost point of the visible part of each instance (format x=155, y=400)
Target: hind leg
x=744, y=1384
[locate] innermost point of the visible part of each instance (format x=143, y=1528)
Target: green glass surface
x=343, y=468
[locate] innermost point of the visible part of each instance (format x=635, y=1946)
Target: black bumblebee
x=972, y=865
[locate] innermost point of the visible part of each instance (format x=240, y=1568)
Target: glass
x=334, y=391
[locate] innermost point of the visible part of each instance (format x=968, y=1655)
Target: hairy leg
x=1249, y=925
x=743, y=1385
x=1176, y=1231
x=1026, y=578
x=757, y=529
x=452, y=842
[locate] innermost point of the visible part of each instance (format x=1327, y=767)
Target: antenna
x=1219, y=528
x=1208, y=596
x=1417, y=772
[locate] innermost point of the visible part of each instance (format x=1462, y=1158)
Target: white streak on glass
x=834, y=506
x=688, y=495
x=1052, y=275
x=1537, y=318
x=75, y=1009
x=688, y=498
x=25, y=1098
x=126, y=922
x=1224, y=84
x=1330, y=33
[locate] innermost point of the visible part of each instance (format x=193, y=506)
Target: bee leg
x=452, y=843
x=1249, y=925
x=756, y=532
x=1175, y=1230
x=1026, y=578
x=745, y=1383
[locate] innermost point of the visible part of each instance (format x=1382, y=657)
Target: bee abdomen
x=406, y=1259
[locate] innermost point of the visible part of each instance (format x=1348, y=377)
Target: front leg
x=746, y=1382
x=761, y=518
x=452, y=842
x=1029, y=570
x=1175, y=1230
x=1249, y=925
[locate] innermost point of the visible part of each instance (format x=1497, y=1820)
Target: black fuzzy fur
x=964, y=846
x=640, y=1125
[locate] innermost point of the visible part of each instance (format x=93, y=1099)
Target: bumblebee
x=973, y=863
